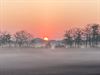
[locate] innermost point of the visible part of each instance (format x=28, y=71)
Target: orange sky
x=47, y=17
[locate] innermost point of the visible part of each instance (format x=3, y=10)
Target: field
x=60, y=61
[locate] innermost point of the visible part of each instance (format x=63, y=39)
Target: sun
x=46, y=38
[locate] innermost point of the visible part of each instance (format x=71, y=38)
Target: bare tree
x=78, y=39
x=68, y=38
x=5, y=38
x=95, y=34
x=89, y=36
x=22, y=38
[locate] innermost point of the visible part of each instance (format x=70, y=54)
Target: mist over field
x=46, y=61
x=49, y=37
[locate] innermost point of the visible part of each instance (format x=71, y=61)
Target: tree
x=87, y=33
x=5, y=38
x=95, y=34
x=78, y=39
x=22, y=38
x=68, y=38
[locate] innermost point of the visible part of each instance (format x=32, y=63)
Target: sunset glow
x=46, y=38
x=52, y=17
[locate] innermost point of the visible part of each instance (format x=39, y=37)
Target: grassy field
x=60, y=61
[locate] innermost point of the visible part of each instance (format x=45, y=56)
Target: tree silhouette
x=68, y=38
x=5, y=38
x=89, y=36
x=22, y=38
x=78, y=37
x=95, y=34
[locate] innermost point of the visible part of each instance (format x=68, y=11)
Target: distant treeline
x=19, y=39
x=88, y=36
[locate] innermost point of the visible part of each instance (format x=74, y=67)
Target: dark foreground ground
x=29, y=61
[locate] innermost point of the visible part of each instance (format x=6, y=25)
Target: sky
x=47, y=18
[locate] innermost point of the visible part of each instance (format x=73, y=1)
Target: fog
x=30, y=58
